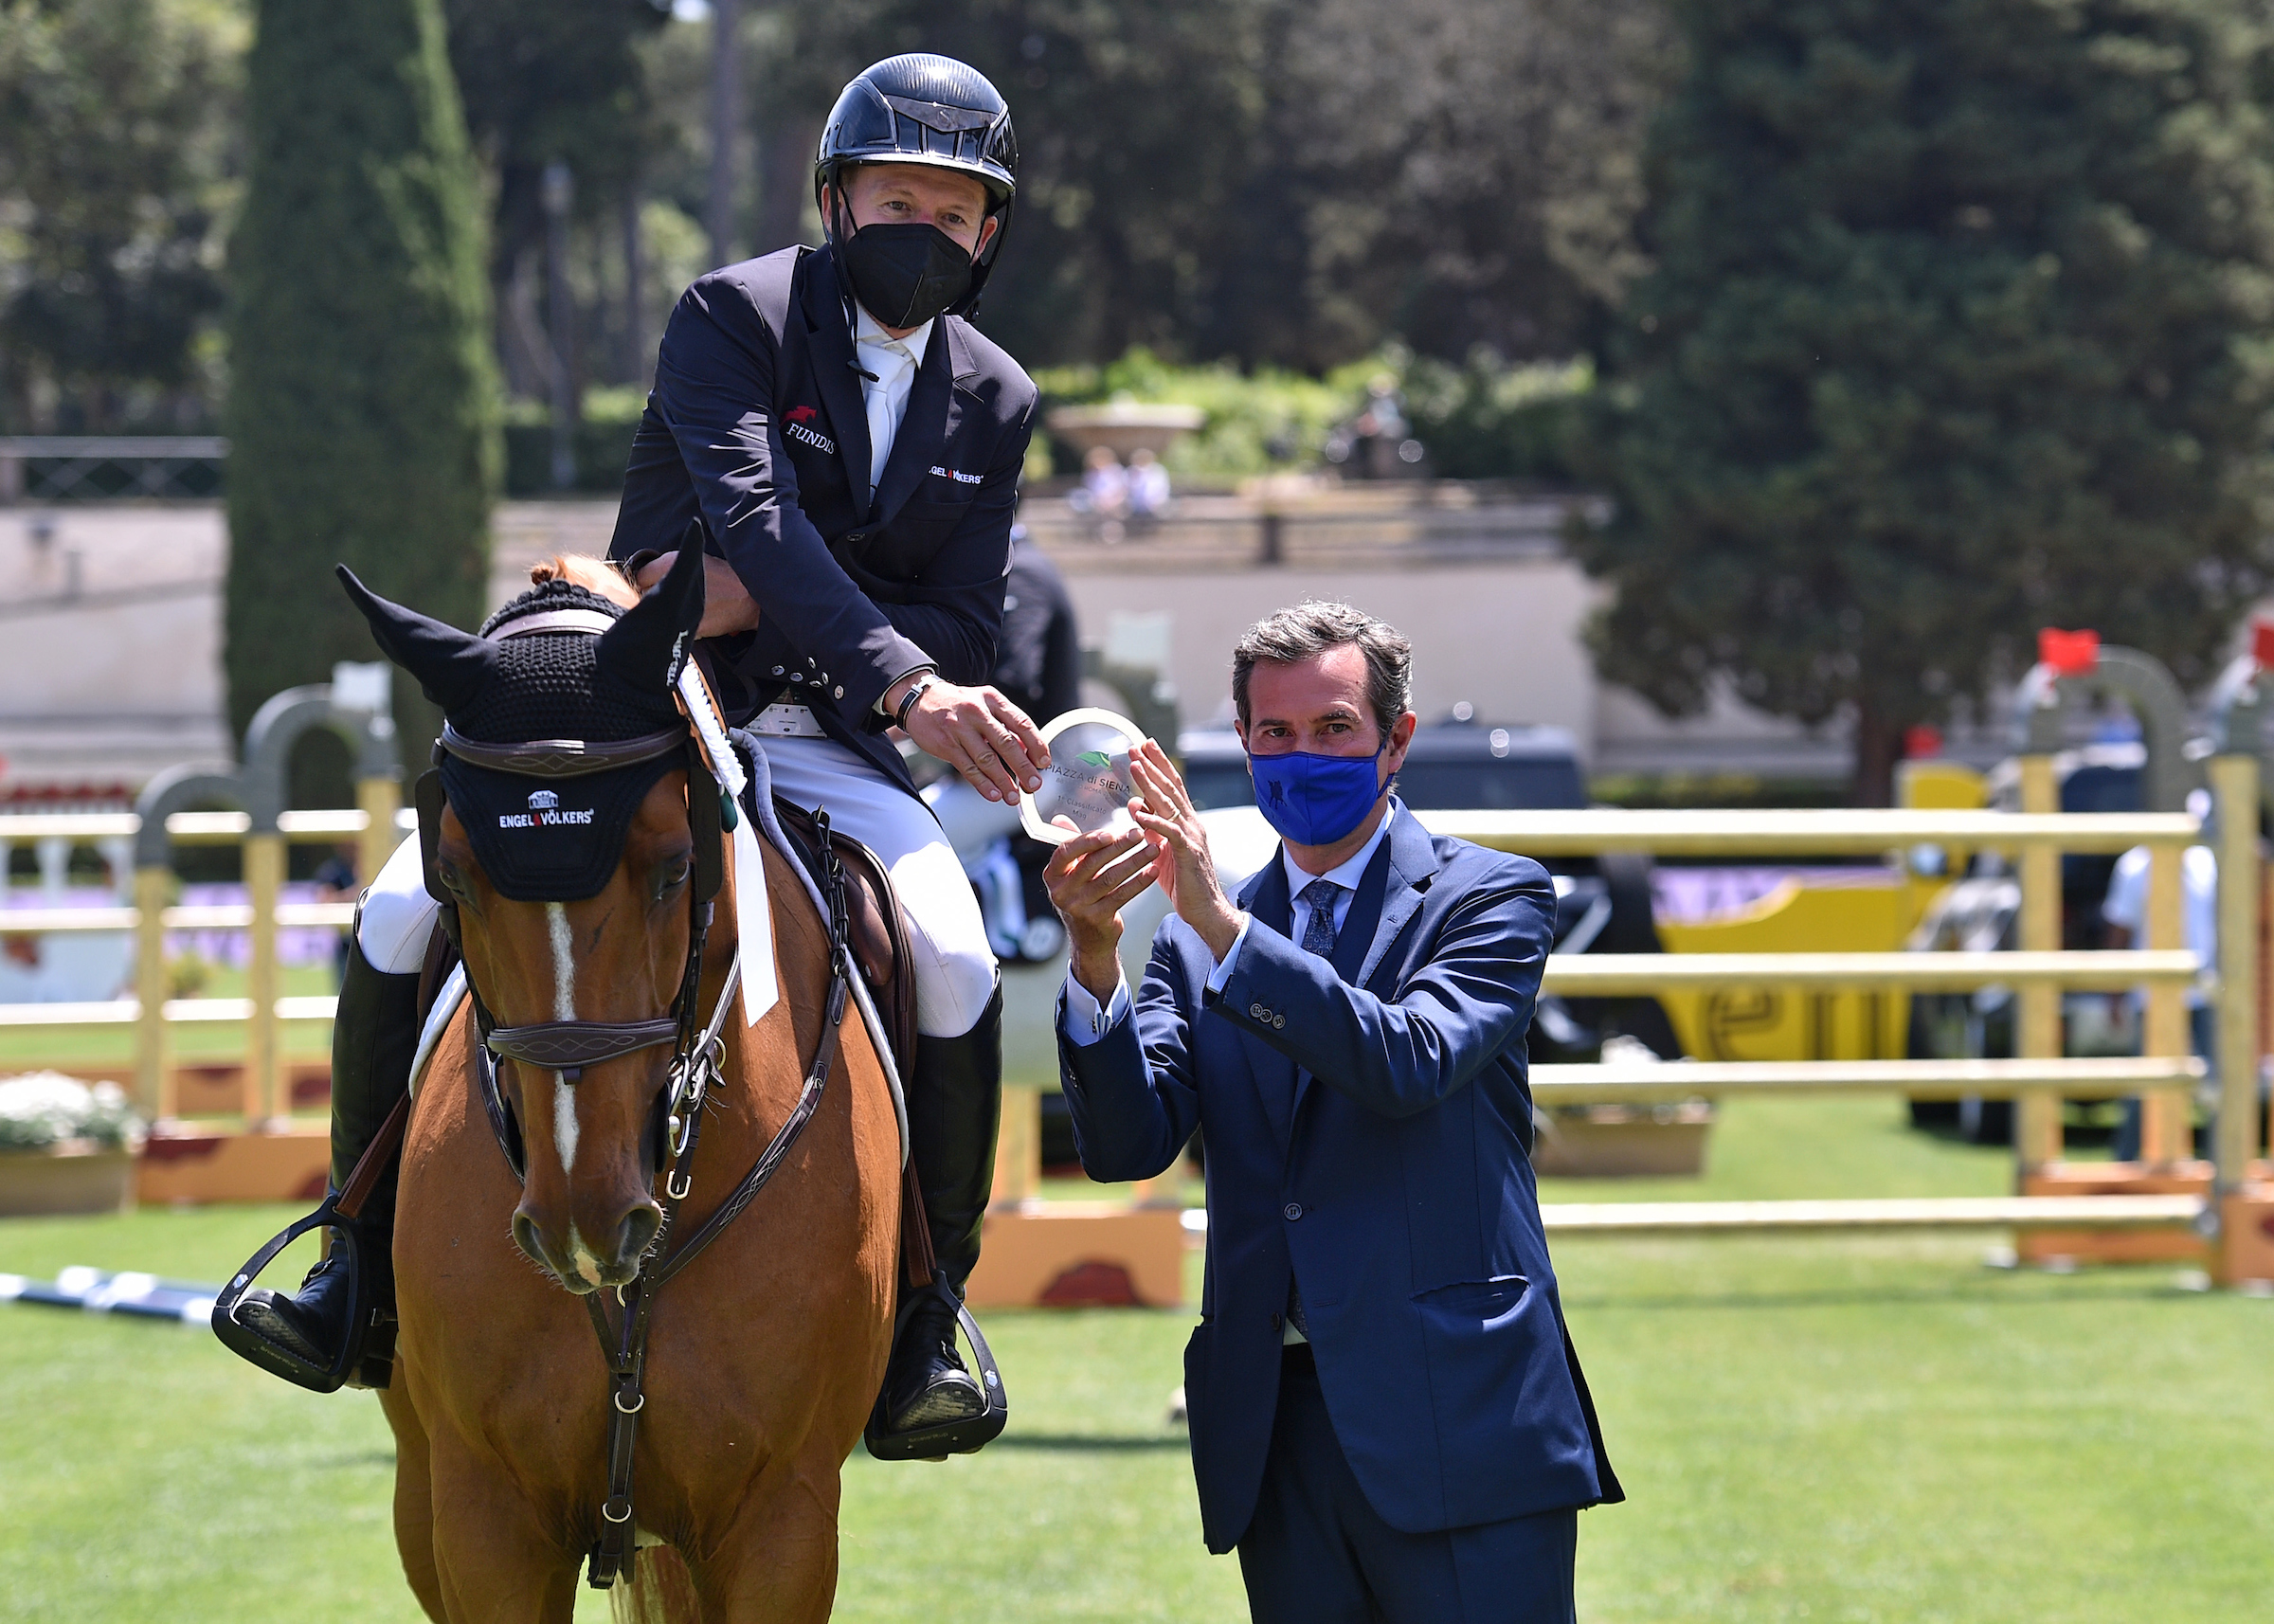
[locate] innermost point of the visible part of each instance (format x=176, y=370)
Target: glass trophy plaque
x=1088, y=781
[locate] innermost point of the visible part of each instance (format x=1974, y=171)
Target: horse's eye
x=673, y=875
x=453, y=881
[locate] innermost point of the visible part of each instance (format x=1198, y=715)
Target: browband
x=571, y=1045
x=563, y=758
x=554, y=621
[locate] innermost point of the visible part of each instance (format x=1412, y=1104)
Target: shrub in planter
x=66, y=1146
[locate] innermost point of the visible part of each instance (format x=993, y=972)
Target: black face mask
x=904, y=275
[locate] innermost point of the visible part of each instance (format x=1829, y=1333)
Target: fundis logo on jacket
x=545, y=812
x=798, y=424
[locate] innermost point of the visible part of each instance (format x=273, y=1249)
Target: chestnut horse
x=764, y=1355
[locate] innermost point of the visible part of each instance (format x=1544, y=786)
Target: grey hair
x=1312, y=627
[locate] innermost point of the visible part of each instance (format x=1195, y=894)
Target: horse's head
x=559, y=838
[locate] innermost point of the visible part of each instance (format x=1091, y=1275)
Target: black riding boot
x=305, y=1337
x=952, y=1113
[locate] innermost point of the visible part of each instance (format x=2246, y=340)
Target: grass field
x=1839, y=1430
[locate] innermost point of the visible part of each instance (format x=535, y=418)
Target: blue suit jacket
x=1368, y=1127
x=756, y=443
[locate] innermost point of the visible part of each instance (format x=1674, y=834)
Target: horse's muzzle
x=582, y=1265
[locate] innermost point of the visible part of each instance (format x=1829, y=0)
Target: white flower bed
x=40, y=1107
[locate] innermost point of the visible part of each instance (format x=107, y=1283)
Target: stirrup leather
x=963, y=1437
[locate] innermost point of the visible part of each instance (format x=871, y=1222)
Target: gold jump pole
x=2037, y=1011
x=380, y=799
x=2234, y=789
x=153, y=1074
x=2167, y=1116
x=2265, y=1012
x=1018, y=1149
x=264, y=878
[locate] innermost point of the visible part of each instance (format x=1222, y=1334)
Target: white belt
x=788, y=722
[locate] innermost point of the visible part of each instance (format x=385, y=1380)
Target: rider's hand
x=1090, y=878
x=980, y=733
x=1165, y=812
x=727, y=605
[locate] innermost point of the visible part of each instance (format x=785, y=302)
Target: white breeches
x=948, y=940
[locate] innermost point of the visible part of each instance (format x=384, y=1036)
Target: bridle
x=568, y=1047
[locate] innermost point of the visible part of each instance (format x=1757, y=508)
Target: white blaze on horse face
x=564, y=1008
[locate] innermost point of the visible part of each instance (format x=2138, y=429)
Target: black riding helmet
x=927, y=110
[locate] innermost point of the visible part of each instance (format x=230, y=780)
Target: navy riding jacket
x=755, y=442
x=1368, y=1125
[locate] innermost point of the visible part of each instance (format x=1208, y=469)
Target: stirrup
x=966, y=1436
x=256, y=1349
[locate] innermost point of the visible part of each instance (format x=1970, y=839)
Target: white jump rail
x=1960, y=1212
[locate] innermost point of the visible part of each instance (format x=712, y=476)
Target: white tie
x=889, y=359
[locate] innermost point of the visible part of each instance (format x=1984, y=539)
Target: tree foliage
x=545, y=79
x=1286, y=182
x=362, y=410
x=118, y=130
x=1962, y=324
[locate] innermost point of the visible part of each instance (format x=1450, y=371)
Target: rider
x=846, y=447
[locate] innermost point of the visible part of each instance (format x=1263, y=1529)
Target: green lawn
x=1848, y=1430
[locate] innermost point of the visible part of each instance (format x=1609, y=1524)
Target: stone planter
x=71, y=1176
x=1623, y=1141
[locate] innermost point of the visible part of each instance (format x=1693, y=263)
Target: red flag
x=2071, y=654
x=2262, y=643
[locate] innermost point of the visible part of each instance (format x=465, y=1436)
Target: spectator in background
x=1103, y=492
x=1148, y=487
x=2125, y=912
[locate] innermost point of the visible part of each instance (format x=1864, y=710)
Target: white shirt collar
x=1348, y=873
x=867, y=330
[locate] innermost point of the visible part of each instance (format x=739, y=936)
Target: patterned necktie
x=1318, y=937
x=1318, y=930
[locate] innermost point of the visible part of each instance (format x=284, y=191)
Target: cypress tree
x=362, y=410
x=1959, y=326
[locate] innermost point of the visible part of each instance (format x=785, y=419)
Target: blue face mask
x=1316, y=799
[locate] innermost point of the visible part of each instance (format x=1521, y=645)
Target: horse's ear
x=452, y=666
x=646, y=647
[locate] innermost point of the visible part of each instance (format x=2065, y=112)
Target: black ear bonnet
x=558, y=719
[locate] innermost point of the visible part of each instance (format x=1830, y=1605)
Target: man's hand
x=727, y=605
x=977, y=731
x=1188, y=873
x=1090, y=878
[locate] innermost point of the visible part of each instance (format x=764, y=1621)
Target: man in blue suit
x=1388, y=1420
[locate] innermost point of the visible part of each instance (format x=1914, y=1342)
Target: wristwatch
x=908, y=700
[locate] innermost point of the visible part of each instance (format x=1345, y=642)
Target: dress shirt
x=885, y=397
x=895, y=362
x=1086, y=1021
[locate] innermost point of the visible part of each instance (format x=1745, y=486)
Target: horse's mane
x=599, y=576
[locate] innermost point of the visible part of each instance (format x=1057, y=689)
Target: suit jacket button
x=1256, y=1012
x=840, y=692
x=777, y=671
x=1292, y=1211
x=1274, y=1319
x=1277, y=1021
